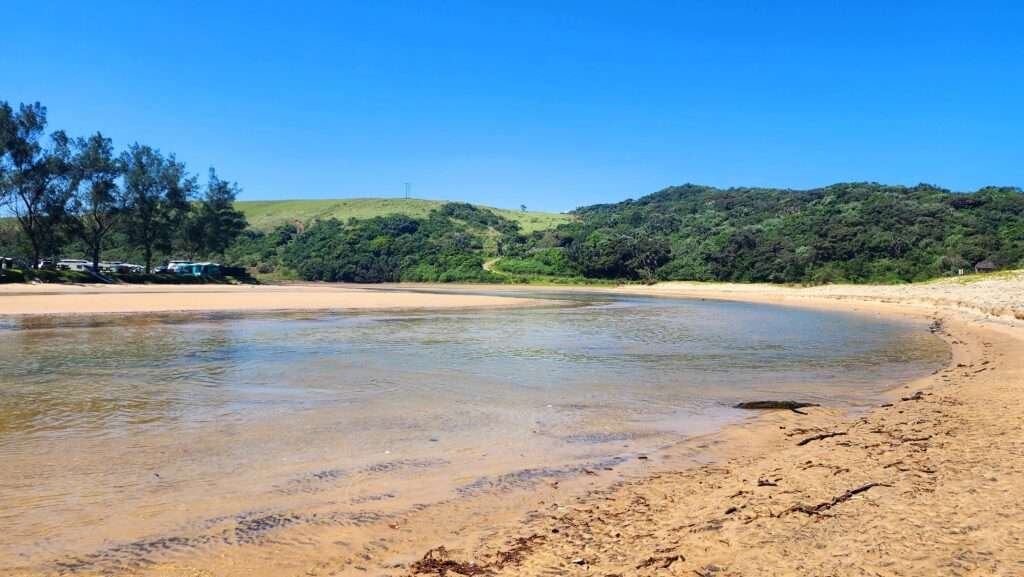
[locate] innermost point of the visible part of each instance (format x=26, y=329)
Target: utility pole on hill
x=408, y=187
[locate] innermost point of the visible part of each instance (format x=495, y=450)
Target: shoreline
x=922, y=484
x=891, y=491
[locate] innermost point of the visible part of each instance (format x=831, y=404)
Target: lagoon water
x=122, y=440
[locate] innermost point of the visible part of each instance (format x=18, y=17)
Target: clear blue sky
x=548, y=104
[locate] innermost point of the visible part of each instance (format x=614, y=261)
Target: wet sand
x=924, y=484
x=52, y=299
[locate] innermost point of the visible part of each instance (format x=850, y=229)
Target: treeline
x=77, y=196
x=856, y=232
x=68, y=196
x=449, y=245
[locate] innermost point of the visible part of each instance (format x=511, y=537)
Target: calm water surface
x=118, y=433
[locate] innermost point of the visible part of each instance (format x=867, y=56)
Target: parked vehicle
x=171, y=267
x=202, y=269
x=116, y=266
x=74, y=264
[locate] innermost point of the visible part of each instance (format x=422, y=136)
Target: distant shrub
x=546, y=262
x=11, y=276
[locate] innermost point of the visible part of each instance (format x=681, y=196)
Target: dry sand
x=51, y=299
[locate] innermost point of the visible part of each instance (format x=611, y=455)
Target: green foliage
x=157, y=190
x=35, y=180
x=212, y=224
x=858, y=232
x=97, y=201
x=446, y=246
x=542, y=262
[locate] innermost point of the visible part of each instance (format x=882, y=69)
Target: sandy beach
x=52, y=299
x=926, y=483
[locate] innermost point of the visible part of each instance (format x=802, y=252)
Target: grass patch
x=266, y=214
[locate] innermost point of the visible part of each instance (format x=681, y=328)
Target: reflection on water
x=112, y=432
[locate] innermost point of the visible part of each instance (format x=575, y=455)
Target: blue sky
x=548, y=104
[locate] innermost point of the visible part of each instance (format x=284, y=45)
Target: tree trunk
x=149, y=260
x=36, y=251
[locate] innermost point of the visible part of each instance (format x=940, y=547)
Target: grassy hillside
x=265, y=215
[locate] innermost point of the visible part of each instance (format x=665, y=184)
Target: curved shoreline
x=922, y=485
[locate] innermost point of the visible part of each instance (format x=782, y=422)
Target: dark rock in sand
x=770, y=405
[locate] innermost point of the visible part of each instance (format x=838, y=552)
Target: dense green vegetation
x=447, y=245
x=858, y=232
x=861, y=232
x=76, y=197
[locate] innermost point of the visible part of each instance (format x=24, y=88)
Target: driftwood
x=775, y=405
x=820, y=437
x=825, y=506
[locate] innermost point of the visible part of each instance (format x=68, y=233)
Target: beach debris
x=514, y=554
x=826, y=505
x=915, y=397
x=437, y=562
x=819, y=437
x=579, y=561
x=794, y=406
x=660, y=562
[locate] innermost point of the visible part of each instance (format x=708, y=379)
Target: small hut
x=985, y=266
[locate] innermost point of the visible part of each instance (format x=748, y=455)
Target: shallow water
x=131, y=438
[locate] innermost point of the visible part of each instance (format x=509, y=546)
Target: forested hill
x=854, y=232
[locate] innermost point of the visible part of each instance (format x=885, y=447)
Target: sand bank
x=47, y=299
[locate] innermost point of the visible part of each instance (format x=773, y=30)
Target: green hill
x=265, y=215
x=848, y=232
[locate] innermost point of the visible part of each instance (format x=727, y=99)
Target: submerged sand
x=927, y=483
x=52, y=299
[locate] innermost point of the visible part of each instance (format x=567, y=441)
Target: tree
x=156, y=197
x=223, y=224
x=212, y=224
x=35, y=183
x=192, y=232
x=98, y=202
